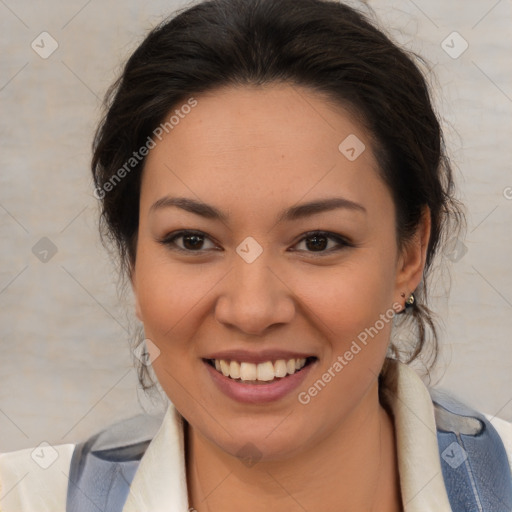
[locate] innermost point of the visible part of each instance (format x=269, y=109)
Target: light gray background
x=66, y=368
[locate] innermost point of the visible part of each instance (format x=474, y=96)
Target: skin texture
x=252, y=152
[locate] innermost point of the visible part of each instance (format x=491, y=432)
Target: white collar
x=160, y=482
x=421, y=478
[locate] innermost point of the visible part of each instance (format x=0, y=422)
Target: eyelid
x=168, y=240
x=339, y=239
x=342, y=242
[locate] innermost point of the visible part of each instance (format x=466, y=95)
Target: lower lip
x=258, y=393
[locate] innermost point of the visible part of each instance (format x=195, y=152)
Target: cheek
x=169, y=295
x=166, y=290
x=352, y=296
x=175, y=300
x=353, y=309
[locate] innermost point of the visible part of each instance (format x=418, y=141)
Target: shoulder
x=48, y=478
x=477, y=446
x=504, y=429
x=35, y=479
x=456, y=416
x=476, y=455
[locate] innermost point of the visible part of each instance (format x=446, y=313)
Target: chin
x=265, y=442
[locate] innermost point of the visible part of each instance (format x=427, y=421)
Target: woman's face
x=255, y=286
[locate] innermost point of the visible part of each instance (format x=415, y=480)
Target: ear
x=412, y=258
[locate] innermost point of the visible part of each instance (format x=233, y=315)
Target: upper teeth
x=262, y=371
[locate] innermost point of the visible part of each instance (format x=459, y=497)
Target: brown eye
x=192, y=241
x=318, y=241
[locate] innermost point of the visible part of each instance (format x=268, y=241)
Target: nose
x=255, y=297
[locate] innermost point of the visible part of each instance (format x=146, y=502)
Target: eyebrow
x=290, y=214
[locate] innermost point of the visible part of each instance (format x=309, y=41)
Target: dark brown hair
x=323, y=45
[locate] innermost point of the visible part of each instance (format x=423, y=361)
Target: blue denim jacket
x=474, y=462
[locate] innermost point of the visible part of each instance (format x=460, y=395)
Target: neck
x=354, y=467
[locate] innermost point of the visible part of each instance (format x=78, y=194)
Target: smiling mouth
x=261, y=373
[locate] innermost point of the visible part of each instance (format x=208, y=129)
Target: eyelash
x=169, y=241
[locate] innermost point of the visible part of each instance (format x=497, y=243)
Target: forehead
x=262, y=141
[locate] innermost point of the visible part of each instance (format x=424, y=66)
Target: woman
x=273, y=177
